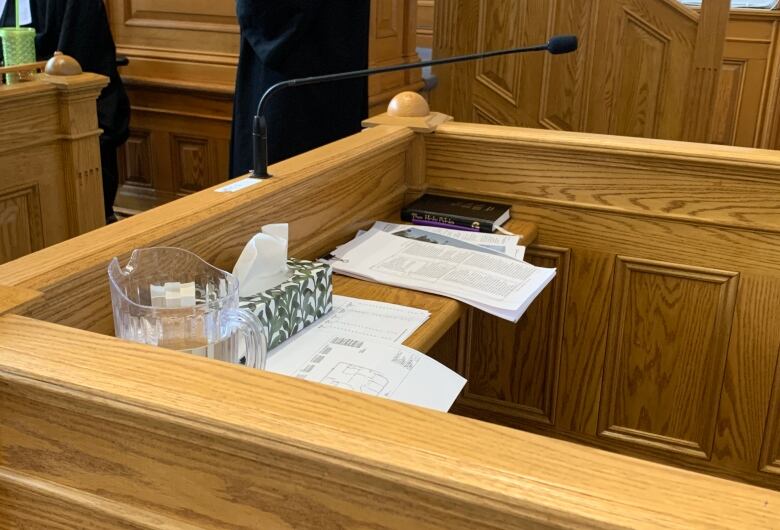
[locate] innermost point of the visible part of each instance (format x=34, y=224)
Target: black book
x=457, y=213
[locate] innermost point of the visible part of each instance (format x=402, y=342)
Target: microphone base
x=254, y=175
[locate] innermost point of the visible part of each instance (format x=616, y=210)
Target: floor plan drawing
x=357, y=378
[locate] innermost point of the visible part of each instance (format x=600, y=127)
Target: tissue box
x=290, y=307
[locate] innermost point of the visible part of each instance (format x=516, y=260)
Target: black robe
x=285, y=39
x=80, y=28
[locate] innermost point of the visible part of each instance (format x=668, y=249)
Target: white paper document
x=498, y=285
x=377, y=368
x=366, y=320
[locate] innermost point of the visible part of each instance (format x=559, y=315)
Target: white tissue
x=263, y=262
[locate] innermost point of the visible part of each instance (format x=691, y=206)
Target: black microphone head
x=562, y=44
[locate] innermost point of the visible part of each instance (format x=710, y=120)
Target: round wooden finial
x=61, y=64
x=408, y=105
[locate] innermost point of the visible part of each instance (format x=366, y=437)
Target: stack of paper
x=424, y=259
x=358, y=347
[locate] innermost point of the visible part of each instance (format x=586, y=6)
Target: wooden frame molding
x=673, y=294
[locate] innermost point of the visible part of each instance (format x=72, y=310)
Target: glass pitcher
x=171, y=298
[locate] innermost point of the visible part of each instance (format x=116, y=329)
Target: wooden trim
x=38, y=67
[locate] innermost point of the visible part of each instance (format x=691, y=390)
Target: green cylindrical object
x=18, y=48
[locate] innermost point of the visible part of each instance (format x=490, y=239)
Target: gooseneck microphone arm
x=556, y=45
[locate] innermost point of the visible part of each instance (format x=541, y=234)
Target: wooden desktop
x=656, y=339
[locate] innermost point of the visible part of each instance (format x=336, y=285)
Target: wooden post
x=710, y=42
x=81, y=149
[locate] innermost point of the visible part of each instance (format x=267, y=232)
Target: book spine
x=445, y=221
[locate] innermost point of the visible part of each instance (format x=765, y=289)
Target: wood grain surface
x=50, y=177
x=325, y=195
x=216, y=445
x=181, y=79
x=669, y=339
x=658, y=338
x=644, y=67
x=15, y=299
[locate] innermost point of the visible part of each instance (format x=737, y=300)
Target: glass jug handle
x=247, y=324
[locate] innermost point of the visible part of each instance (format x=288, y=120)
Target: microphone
x=562, y=44
x=557, y=45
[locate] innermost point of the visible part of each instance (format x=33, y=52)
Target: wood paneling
x=136, y=160
x=666, y=352
x=668, y=336
x=21, y=229
x=512, y=370
x=50, y=180
x=638, y=89
x=747, y=101
x=629, y=76
x=193, y=164
x=181, y=77
x=363, y=181
x=667, y=257
x=727, y=101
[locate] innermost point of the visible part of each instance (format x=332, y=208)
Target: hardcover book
x=456, y=212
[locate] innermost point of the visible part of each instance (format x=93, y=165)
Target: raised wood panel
x=747, y=96
x=666, y=353
x=743, y=425
x=193, y=165
x=564, y=93
x=643, y=59
x=727, y=101
x=639, y=92
x=21, y=225
x=512, y=369
x=388, y=22
x=136, y=160
x=498, y=27
x=770, y=454
x=586, y=322
x=640, y=66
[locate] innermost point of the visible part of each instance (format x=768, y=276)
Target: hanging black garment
x=285, y=39
x=80, y=28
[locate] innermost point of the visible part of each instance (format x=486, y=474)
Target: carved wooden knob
x=62, y=64
x=408, y=105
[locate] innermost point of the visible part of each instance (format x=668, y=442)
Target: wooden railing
x=22, y=72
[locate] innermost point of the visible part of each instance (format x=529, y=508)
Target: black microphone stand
x=556, y=45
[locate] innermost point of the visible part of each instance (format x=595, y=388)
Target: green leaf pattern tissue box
x=295, y=304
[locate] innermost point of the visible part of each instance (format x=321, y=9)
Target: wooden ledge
x=15, y=299
x=160, y=430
